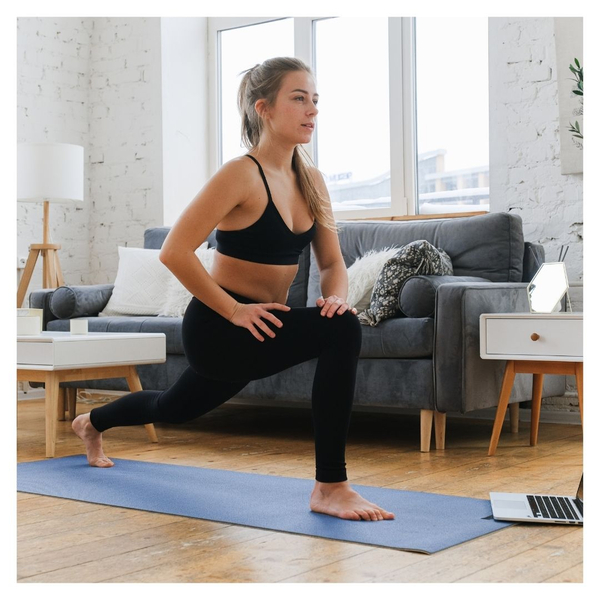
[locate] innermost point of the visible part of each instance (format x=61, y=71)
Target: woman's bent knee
x=345, y=330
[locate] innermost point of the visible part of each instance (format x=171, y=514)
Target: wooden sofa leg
x=426, y=423
x=440, y=430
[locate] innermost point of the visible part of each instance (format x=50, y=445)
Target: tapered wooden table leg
x=51, y=402
x=61, y=404
x=135, y=385
x=507, y=383
x=536, y=407
x=71, y=398
x=579, y=380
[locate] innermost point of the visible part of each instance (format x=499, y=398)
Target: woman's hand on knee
x=251, y=317
x=334, y=305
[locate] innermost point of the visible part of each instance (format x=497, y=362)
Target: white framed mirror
x=547, y=288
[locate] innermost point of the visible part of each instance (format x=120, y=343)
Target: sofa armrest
x=72, y=301
x=463, y=381
x=533, y=258
x=41, y=299
x=417, y=294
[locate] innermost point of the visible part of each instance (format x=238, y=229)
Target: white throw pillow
x=363, y=274
x=140, y=285
x=178, y=297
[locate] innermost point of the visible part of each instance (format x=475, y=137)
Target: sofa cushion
x=417, y=294
x=363, y=274
x=398, y=338
x=72, y=301
x=489, y=246
x=140, y=285
x=394, y=338
x=414, y=258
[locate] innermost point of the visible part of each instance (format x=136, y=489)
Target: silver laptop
x=567, y=510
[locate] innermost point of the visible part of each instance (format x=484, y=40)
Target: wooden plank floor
x=68, y=541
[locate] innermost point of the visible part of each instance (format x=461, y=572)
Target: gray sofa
x=427, y=358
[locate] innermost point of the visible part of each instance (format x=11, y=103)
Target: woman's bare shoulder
x=239, y=165
x=234, y=177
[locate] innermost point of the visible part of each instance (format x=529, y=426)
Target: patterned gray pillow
x=417, y=258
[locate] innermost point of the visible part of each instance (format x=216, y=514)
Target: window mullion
x=304, y=50
x=396, y=107
x=409, y=115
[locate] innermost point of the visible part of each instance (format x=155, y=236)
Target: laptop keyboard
x=553, y=507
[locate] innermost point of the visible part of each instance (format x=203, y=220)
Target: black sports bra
x=268, y=240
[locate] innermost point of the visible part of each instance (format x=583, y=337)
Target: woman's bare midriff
x=264, y=283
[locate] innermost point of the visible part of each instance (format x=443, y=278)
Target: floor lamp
x=47, y=173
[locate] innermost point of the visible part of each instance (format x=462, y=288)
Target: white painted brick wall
x=52, y=103
x=524, y=143
x=126, y=139
x=96, y=83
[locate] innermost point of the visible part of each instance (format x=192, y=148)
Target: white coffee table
x=52, y=357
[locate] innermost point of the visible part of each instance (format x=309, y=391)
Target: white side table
x=538, y=343
x=56, y=356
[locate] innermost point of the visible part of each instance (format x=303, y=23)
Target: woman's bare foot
x=339, y=500
x=92, y=439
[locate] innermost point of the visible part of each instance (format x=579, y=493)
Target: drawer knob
x=535, y=337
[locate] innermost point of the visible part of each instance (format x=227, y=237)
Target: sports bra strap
x=262, y=174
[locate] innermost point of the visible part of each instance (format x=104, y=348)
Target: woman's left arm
x=332, y=269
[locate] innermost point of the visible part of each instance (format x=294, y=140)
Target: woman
x=263, y=204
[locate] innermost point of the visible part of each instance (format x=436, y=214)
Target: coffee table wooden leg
x=579, y=380
x=71, y=398
x=507, y=383
x=51, y=401
x=536, y=407
x=61, y=404
x=135, y=385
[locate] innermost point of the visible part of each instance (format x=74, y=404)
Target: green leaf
x=577, y=63
x=578, y=93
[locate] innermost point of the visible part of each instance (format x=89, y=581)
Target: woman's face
x=293, y=115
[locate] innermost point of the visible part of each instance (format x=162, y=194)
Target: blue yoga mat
x=424, y=522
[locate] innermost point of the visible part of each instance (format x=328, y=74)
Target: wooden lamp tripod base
x=52, y=273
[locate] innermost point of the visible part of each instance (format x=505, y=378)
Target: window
x=452, y=115
x=353, y=125
x=402, y=126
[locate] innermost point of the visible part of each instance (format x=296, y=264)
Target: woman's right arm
x=222, y=193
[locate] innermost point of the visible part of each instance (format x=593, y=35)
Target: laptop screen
x=579, y=494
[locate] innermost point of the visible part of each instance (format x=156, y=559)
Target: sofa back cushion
x=489, y=246
x=155, y=236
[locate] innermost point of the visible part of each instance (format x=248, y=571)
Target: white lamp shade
x=52, y=172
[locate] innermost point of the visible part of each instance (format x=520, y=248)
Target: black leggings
x=224, y=358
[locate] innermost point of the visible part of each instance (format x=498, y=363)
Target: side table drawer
x=556, y=337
